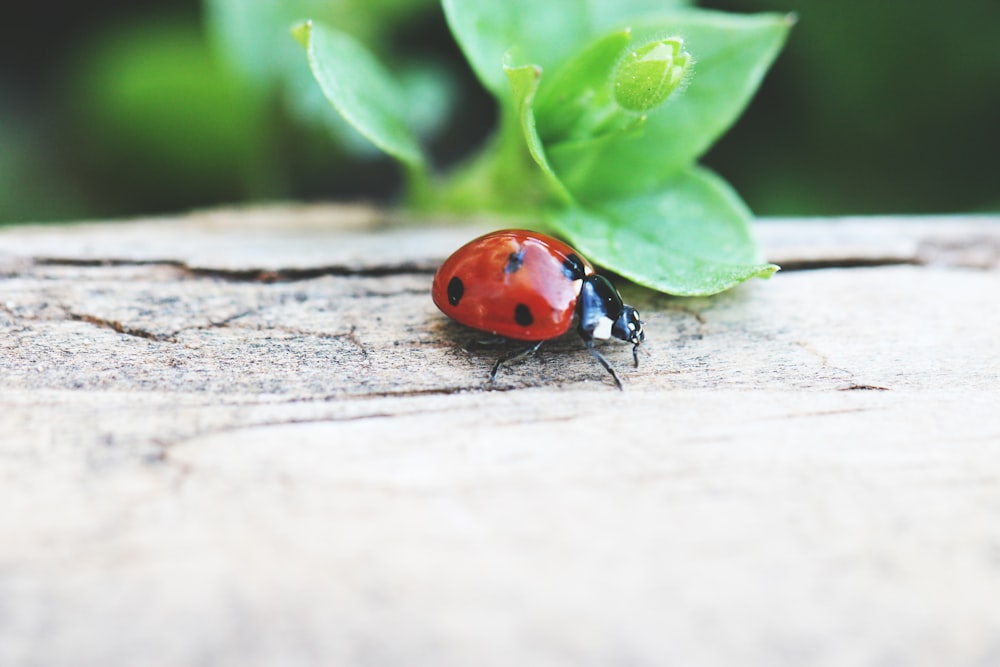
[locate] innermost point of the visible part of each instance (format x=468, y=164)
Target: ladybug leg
x=589, y=342
x=520, y=354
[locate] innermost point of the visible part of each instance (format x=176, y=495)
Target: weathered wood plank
x=249, y=438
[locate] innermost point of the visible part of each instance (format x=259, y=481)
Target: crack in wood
x=819, y=413
x=267, y=276
x=864, y=387
x=979, y=252
x=850, y=375
x=220, y=324
x=846, y=263
x=163, y=446
x=929, y=253
x=171, y=337
x=120, y=327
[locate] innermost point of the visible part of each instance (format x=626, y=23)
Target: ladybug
x=527, y=286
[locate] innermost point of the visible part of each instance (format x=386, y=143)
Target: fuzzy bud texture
x=648, y=74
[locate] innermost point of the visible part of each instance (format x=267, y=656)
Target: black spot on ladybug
x=514, y=261
x=455, y=290
x=522, y=315
x=573, y=267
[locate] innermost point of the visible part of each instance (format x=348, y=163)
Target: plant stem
x=501, y=178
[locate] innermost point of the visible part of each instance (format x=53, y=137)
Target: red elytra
x=528, y=286
x=512, y=283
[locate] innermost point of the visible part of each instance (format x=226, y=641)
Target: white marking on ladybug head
x=603, y=329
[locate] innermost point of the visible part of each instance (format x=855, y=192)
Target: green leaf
x=253, y=35
x=524, y=83
x=572, y=101
x=252, y=39
x=732, y=54
x=606, y=14
x=358, y=87
x=543, y=33
x=692, y=238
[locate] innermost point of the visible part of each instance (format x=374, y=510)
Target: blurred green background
x=112, y=109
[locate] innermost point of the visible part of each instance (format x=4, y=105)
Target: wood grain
x=248, y=438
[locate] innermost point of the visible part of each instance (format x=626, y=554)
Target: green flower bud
x=647, y=75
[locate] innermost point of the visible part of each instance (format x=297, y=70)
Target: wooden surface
x=248, y=438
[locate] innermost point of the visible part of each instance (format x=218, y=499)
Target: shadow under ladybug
x=527, y=286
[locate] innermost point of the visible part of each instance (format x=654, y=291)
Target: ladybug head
x=603, y=315
x=628, y=326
